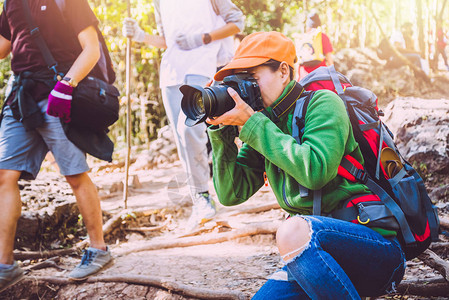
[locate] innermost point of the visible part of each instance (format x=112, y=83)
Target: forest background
x=349, y=24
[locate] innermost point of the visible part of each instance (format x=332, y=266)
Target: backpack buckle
x=361, y=176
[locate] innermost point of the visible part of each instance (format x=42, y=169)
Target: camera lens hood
x=192, y=104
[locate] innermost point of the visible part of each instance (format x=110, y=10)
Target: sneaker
x=203, y=210
x=93, y=260
x=10, y=276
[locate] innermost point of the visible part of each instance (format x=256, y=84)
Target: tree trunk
x=419, y=21
x=362, y=31
x=440, y=16
x=306, y=9
x=397, y=14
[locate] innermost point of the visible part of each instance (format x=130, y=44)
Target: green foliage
x=348, y=23
x=422, y=169
x=80, y=220
x=5, y=72
x=144, y=83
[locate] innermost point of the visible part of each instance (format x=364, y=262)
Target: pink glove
x=60, y=101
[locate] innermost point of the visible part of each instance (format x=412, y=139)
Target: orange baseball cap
x=258, y=48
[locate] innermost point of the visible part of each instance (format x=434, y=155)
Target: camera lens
x=200, y=103
x=217, y=100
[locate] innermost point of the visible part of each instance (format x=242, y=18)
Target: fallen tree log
x=23, y=255
x=434, y=261
x=150, y=229
x=175, y=287
x=124, y=215
x=114, y=222
x=263, y=228
x=258, y=209
x=424, y=287
x=108, y=227
x=439, y=246
x=49, y=263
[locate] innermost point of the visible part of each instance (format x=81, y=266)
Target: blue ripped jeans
x=342, y=261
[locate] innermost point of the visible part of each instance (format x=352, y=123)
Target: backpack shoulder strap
x=299, y=116
x=298, y=123
x=38, y=39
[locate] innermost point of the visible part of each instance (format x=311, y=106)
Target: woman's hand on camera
x=236, y=116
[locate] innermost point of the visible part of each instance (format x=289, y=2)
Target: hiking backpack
x=310, y=48
x=401, y=201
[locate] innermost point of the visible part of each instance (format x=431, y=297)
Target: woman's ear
x=285, y=71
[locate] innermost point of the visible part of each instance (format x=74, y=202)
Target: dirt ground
x=158, y=207
x=240, y=265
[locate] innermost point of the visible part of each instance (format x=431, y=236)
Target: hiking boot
x=93, y=260
x=10, y=276
x=203, y=210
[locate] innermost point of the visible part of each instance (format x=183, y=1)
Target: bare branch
x=182, y=289
x=434, y=261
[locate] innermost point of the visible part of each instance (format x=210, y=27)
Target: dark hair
x=313, y=20
x=274, y=66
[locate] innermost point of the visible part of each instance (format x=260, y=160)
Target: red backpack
x=401, y=201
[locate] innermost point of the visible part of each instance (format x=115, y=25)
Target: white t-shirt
x=194, y=17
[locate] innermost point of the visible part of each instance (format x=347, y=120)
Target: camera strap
x=287, y=102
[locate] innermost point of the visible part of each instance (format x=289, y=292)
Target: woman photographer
x=325, y=258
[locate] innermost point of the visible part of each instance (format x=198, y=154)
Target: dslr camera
x=199, y=103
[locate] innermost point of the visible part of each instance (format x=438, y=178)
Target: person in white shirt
x=197, y=36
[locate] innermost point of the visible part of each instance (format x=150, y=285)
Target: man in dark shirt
x=73, y=41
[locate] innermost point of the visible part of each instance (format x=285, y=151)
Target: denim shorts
x=342, y=261
x=25, y=151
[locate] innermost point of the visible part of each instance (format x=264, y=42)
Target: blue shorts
x=24, y=151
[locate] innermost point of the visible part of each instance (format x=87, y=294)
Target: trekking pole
x=128, y=111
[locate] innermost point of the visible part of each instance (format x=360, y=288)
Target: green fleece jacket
x=269, y=147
